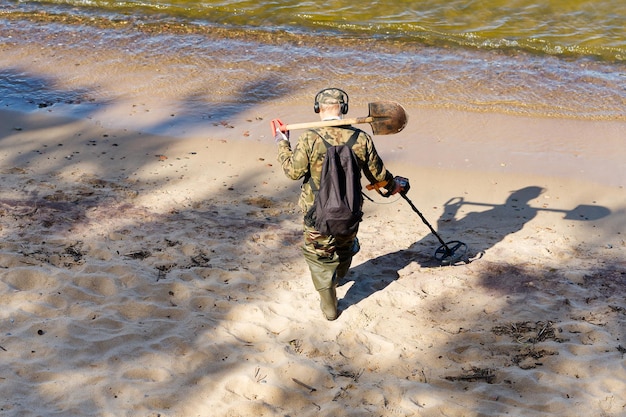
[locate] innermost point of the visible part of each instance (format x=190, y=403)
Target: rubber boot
x=328, y=303
x=322, y=270
x=345, y=258
x=343, y=268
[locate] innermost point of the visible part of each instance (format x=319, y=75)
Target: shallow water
x=563, y=27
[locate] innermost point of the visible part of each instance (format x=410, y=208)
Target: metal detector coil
x=451, y=252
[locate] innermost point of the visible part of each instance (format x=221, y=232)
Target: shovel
x=385, y=117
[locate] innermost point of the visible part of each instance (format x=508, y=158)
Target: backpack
x=338, y=201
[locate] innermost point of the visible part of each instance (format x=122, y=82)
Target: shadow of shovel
x=584, y=212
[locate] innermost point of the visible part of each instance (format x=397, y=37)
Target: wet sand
x=224, y=71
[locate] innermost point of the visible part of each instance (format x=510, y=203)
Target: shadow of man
x=485, y=227
x=488, y=227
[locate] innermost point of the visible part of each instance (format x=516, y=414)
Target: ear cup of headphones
x=316, y=105
x=344, y=108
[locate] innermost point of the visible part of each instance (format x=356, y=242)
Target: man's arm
x=374, y=169
x=379, y=176
x=295, y=163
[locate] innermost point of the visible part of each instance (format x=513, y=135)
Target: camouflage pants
x=328, y=257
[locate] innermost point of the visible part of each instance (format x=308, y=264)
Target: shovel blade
x=388, y=117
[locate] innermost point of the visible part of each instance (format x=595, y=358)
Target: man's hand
x=401, y=185
x=278, y=131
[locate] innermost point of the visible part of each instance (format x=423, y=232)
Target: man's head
x=330, y=98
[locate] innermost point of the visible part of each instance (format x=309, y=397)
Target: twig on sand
x=257, y=375
x=310, y=388
x=477, y=374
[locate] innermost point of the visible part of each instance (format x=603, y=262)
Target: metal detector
x=448, y=253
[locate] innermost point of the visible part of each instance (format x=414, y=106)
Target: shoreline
x=80, y=63
x=491, y=143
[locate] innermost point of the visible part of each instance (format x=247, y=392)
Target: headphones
x=343, y=101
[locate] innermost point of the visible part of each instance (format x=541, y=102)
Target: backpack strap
x=350, y=143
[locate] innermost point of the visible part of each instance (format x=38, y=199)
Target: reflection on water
x=562, y=27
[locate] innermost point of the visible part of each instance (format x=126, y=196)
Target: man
x=329, y=257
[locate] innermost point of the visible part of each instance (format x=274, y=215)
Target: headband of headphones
x=343, y=100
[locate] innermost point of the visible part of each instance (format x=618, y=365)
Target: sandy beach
x=151, y=267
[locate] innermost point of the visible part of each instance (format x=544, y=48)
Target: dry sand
x=145, y=275
x=160, y=275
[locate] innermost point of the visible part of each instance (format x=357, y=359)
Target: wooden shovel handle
x=327, y=123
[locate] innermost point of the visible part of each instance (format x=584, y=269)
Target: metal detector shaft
x=448, y=253
x=426, y=223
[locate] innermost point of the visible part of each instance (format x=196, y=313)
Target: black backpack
x=338, y=201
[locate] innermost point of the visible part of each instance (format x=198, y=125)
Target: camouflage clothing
x=328, y=257
x=305, y=161
x=331, y=96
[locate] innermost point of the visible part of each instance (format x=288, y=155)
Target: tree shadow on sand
x=484, y=228
x=72, y=223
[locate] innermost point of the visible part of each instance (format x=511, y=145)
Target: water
x=563, y=27
x=563, y=58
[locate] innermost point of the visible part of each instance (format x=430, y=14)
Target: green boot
x=328, y=303
x=345, y=258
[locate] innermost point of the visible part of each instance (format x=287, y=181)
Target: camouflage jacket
x=305, y=160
